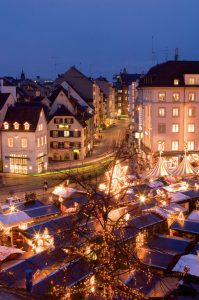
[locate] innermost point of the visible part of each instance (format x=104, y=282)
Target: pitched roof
x=3, y=99
x=22, y=113
x=165, y=73
x=79, y=82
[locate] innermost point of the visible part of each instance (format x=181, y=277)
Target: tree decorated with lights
x=99, y=238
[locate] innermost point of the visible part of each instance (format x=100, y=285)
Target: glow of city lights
x=12, y=208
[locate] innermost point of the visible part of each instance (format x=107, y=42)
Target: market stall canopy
x=158, y=170
x=190, y=260
x=64, y=192
x=14, y=219
x=7, y=253
x=184, y=168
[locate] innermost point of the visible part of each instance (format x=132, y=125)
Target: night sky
x=45, y=37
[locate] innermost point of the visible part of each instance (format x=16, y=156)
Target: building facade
x=70, y=127
x=169, y=98
x=24, y=140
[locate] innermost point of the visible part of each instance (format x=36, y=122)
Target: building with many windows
x=24, y=140
x=169, y=98
x=70, y=127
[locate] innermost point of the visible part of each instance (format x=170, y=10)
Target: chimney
x=176, y=54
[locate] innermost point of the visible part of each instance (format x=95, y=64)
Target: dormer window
x=6, y=125
x=16, y=126
x=176, y=82
x=192, y=80
x=26, y=126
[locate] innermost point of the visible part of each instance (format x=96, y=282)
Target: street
x=15, y=184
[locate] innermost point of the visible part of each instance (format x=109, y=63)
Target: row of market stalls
x=160, y=169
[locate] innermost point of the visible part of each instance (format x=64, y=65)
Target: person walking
x=45, y=185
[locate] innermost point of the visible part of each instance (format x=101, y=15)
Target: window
x=26, y=126
x=10, y=142
x=6, y=125
x=162, y=112
x=45, y=140
x=190, y=145
x=176, y=96
x=24, y=143
x=119, y=104
x=66, y=133
x=174, y=145
x=76, y=133
x=40, y=127
x=38, y=142
x=191, y=128
x=192, y=112
x=55, y=133
x=162, y=96
x=161, y=128
x=69, y=120
x=175, y=127
x=176, y=81
x=175, y=112
x=16, y=126
x=54, y=145
x=58, y=120
x=192, y=80
x=191, y=97
x=42, y=141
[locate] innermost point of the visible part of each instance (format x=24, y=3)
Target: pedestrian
x=45, y=185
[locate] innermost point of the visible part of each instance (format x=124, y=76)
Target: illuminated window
x=16, y=126
x=176, y=96
x=38, y=142
x=174, y=145
x=192, y=80
x=175, y=112
x=161, y=128
x=175, y=127
x=162, y=112
x=119, y=98
x=191, y=96
x=162, y=96
x=190, y=145
x=6, y=125
x=26, y=126
x=176, y=81
x=10, y=142
x=45, y=140
x=66, y=133
x=40, y=127
x=24, y=143
x=192, y=112
x=119, y=104
x=191, y=128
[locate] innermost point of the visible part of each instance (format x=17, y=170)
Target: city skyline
x=46, y=38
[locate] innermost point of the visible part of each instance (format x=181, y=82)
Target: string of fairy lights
x=107, y=254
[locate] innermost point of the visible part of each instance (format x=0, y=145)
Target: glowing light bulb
x=142, y=198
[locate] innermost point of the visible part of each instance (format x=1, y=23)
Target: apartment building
x=70, y=127
x=169, y=109
x=24, y=140
x=122, y=82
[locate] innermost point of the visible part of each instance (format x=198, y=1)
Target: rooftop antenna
x=176, y=54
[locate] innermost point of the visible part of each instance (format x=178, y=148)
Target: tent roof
x=14, y=219
x=158, y=170
x=184, y=168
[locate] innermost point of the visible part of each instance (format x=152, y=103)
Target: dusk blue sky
x=46, y=37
